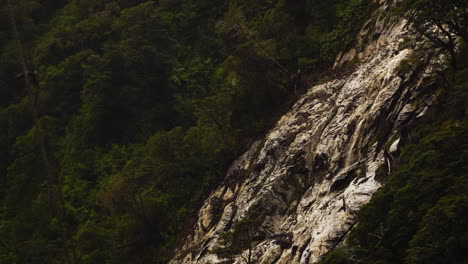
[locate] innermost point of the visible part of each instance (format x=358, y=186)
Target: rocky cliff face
x=307, y=179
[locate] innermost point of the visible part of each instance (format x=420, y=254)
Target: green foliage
x=442, y=22
x=408, y=65
x=242, y=237
x=144, y=105
x=352, y=16
x=406, y=43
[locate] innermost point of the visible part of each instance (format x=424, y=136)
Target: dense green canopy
x=140, y=107
x=119, y=116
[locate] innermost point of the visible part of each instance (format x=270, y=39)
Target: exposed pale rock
x=206, y=217
x=271, y=254
x=321, y=162
x=394, y=147
x=228, y=195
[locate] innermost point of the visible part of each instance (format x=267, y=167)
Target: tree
x=443, y=22
x=56, y=203
x=242, y=238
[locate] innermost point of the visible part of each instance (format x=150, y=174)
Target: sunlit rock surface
x=324, y=159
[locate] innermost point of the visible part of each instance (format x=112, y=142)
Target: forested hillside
x=139, y=108
x=118, y=117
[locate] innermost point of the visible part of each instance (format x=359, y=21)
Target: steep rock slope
x=305, y=182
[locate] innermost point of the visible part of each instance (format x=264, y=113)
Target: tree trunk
x=56, y=203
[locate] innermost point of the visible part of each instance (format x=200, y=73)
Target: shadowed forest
x=117, y=117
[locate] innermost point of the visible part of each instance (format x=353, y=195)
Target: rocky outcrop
x=324, y=159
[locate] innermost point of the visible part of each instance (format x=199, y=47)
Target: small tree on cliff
x=242, y=237
x=443, y=22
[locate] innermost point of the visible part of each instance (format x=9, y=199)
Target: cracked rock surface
x=323, y=160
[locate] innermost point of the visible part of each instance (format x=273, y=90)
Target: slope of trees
x=139, y=107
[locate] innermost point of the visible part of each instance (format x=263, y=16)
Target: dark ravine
x=325, y=158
